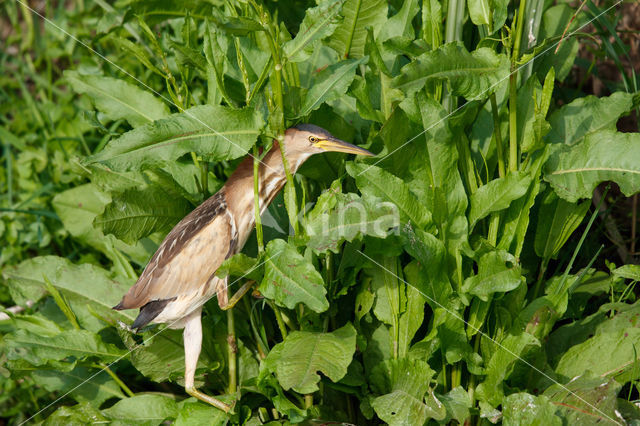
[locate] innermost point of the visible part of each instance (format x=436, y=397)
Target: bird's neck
x=239, y=188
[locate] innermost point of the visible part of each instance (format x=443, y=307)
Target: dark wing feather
x=188, y=256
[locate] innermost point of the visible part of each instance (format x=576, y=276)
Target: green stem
x=543, y=269
x=498, y=135
x=494, y=224
x=308, y=401
x=256, y=199
x=277, y=89
x=513, y=83
x=232, y=349
x=204, y=176
x=115, y=378
x=279, y=320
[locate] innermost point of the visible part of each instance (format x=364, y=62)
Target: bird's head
x=310, y=139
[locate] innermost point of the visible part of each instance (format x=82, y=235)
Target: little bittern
x=180, y=277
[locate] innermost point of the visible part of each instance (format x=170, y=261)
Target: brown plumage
x=180, y=276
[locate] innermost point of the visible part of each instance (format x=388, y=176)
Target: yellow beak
x=337, y=145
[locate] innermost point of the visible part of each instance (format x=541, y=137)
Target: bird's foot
x=209, y=399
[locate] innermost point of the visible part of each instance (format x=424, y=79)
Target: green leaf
x=572, y=122
x=329, y=84
x=241, y=265
x=79, y=414
x=471, y=75
x=161, y=355
x=319, y=22
x=197, y=413
x=389, y=291
x=556, y=222
x=399, y=25
x=142, y=410
x=585, y=400
x=403, y=383
x=602, y=156
x=612, y=354
x=498, y=271
x=214, y=132
x=290, y=279
x=71, y=280
x=303, y=354
x=500, y=365
x=135, y=214
x=83, y=384
x=350, y=36
x=497, y=195
x=77, y=343
x=630, y=272
x=118, y=99
x=376, y=182
x=525, y=409
x=351, y=218
x=457, y=402
x=410, y=320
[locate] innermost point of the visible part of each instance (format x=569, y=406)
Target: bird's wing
x=188, y=257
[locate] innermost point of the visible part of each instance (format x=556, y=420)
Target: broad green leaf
x=241, y=265
x=319, y=22
x=390, y=292
x=72, y=281
x=161, y=355
x=303, y=354
x=555, y=21
x=498, y=271
x=197, y=413
x=214, y=132
x=350, y=36
x=516, y=220
x=329, y=84
x=612, y=353
x=404, y=383
x=118, y=99
x=586, y=400
x=352, y=217
x=432, y=22
x=290, y=279
x=601, y=156
x=78, y=207
x=500, y=365
x=556, y=222
x=471, y=75
x=399, y=25
x=630, y=272
x=525, y=409
x=457, y=402
x=480, y=12
x=572, y=122
x=410, y=320
x=83, y=384
x=79, y=414
x=135, y=214
x=77, y=343
x=497, y=195
x=374, y=181
x=142, y=410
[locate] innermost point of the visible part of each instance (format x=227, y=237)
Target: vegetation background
x=504, y=290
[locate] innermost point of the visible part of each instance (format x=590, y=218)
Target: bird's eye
x=313, y=139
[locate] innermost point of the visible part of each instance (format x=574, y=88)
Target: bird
x=181, y=276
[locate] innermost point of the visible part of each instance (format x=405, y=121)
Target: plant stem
x=498, y=135
x=543, y=269
x=308, y=401
x=279, y=320
x=256, y=199
x=204, y=177
x=513, y=86
x=115, y=378
x=232, y=349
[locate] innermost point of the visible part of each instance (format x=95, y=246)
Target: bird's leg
x=192, y=344
x=237, y=296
